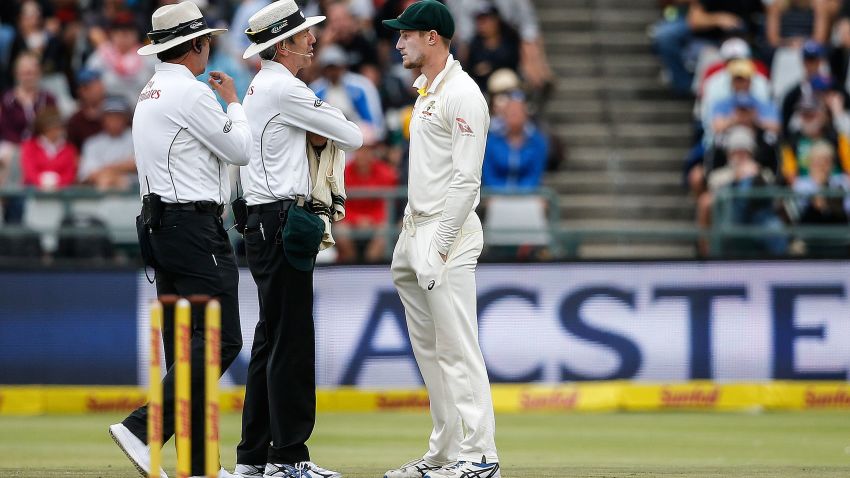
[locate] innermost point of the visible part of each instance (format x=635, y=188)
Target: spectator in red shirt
x=366, y=215
x=18, y=108
x=47, y=159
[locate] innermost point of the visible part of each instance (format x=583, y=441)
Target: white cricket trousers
x=443, y=328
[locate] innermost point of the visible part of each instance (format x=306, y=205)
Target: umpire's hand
x=223, y=84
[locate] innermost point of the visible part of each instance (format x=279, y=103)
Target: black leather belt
x=205, y=207
x=277, y=206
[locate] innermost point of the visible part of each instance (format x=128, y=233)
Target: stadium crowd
x=70, y=78
x=770, y=83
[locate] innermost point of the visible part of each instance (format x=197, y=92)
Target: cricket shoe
x=303, y=469
x=249, y=471
x=467, y=469
x=137, y=451
x=412, y=469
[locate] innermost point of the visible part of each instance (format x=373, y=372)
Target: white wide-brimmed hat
x=175, y=24
x=276, y=22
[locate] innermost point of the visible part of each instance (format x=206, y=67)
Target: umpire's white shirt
x=281, y=109
x=183, y=140
x=448, y=134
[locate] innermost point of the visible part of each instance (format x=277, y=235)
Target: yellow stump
x=213, y=366
x=183, y=395
x=155, y=391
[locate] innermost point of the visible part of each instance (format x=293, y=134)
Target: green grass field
x=776, y=445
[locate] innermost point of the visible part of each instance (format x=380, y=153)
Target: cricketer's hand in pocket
x=432, y=271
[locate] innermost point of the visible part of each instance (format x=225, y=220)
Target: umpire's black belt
x=201, y=207
x=277, y=206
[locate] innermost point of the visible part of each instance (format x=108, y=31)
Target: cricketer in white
x=434, y=261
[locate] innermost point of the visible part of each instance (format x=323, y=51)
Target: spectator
x=494, y=46
x=522, y=17
x=235, y=38
x=814, y=128
x=737, y=70
x=39, y=37
x=125, y=72
x=789, y=25
x=86, y=121
x=760, y=117
x=107, y=160
x=352, y=93
x=516, y=152
x=671, y=37
x=18, y=109
x=342, y=29
x=48, y=161
x=365, y=218
x=814, y=207
x=816, y=82
x=21, y=103
x=713, y=20
x=742, y=174
x=715, y=79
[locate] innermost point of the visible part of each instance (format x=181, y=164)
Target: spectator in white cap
x=717, y=81
x=354, y=94
x=183, y=142
x=107, y=160
x=282, y=239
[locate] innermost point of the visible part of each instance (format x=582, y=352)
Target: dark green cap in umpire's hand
x=425, y=15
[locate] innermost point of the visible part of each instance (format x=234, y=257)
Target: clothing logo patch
x=228, y=126
x=279, y=27
x=431, y=285
x=428, y=111
x=465, y=130
x=196, y=25
x=317, y=103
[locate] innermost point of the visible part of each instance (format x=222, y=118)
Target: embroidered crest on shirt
x=428, y=111
x=465, y=130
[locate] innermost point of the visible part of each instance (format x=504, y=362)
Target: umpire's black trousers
x=280, y=395
x=194, y=257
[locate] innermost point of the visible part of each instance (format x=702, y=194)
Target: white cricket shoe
x=249, y=471
x=467, y=469
x=222, y=473
x=412, y=469
x=137, y=451
x=303, y=469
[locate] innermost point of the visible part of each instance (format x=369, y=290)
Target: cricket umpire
x=434, y=261
x=183, y=143
x=281, y=242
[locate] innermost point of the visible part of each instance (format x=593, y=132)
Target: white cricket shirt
x=281, y=109
x=182, y=138
x=448, y=133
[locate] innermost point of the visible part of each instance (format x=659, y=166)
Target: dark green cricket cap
x=425, y=15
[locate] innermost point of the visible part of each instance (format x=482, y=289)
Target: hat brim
x=255, y=48
x=155, y=48
x=396, y=24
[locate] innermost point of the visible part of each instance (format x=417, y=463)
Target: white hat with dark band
x=175, y=24
x=275, y=22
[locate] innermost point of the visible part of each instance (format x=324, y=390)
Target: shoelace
x=456, y=465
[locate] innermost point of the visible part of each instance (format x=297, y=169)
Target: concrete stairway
x=625, y=136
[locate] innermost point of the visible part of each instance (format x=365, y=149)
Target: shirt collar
x=179, y=69
x=274, y=66
x=420, y=82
